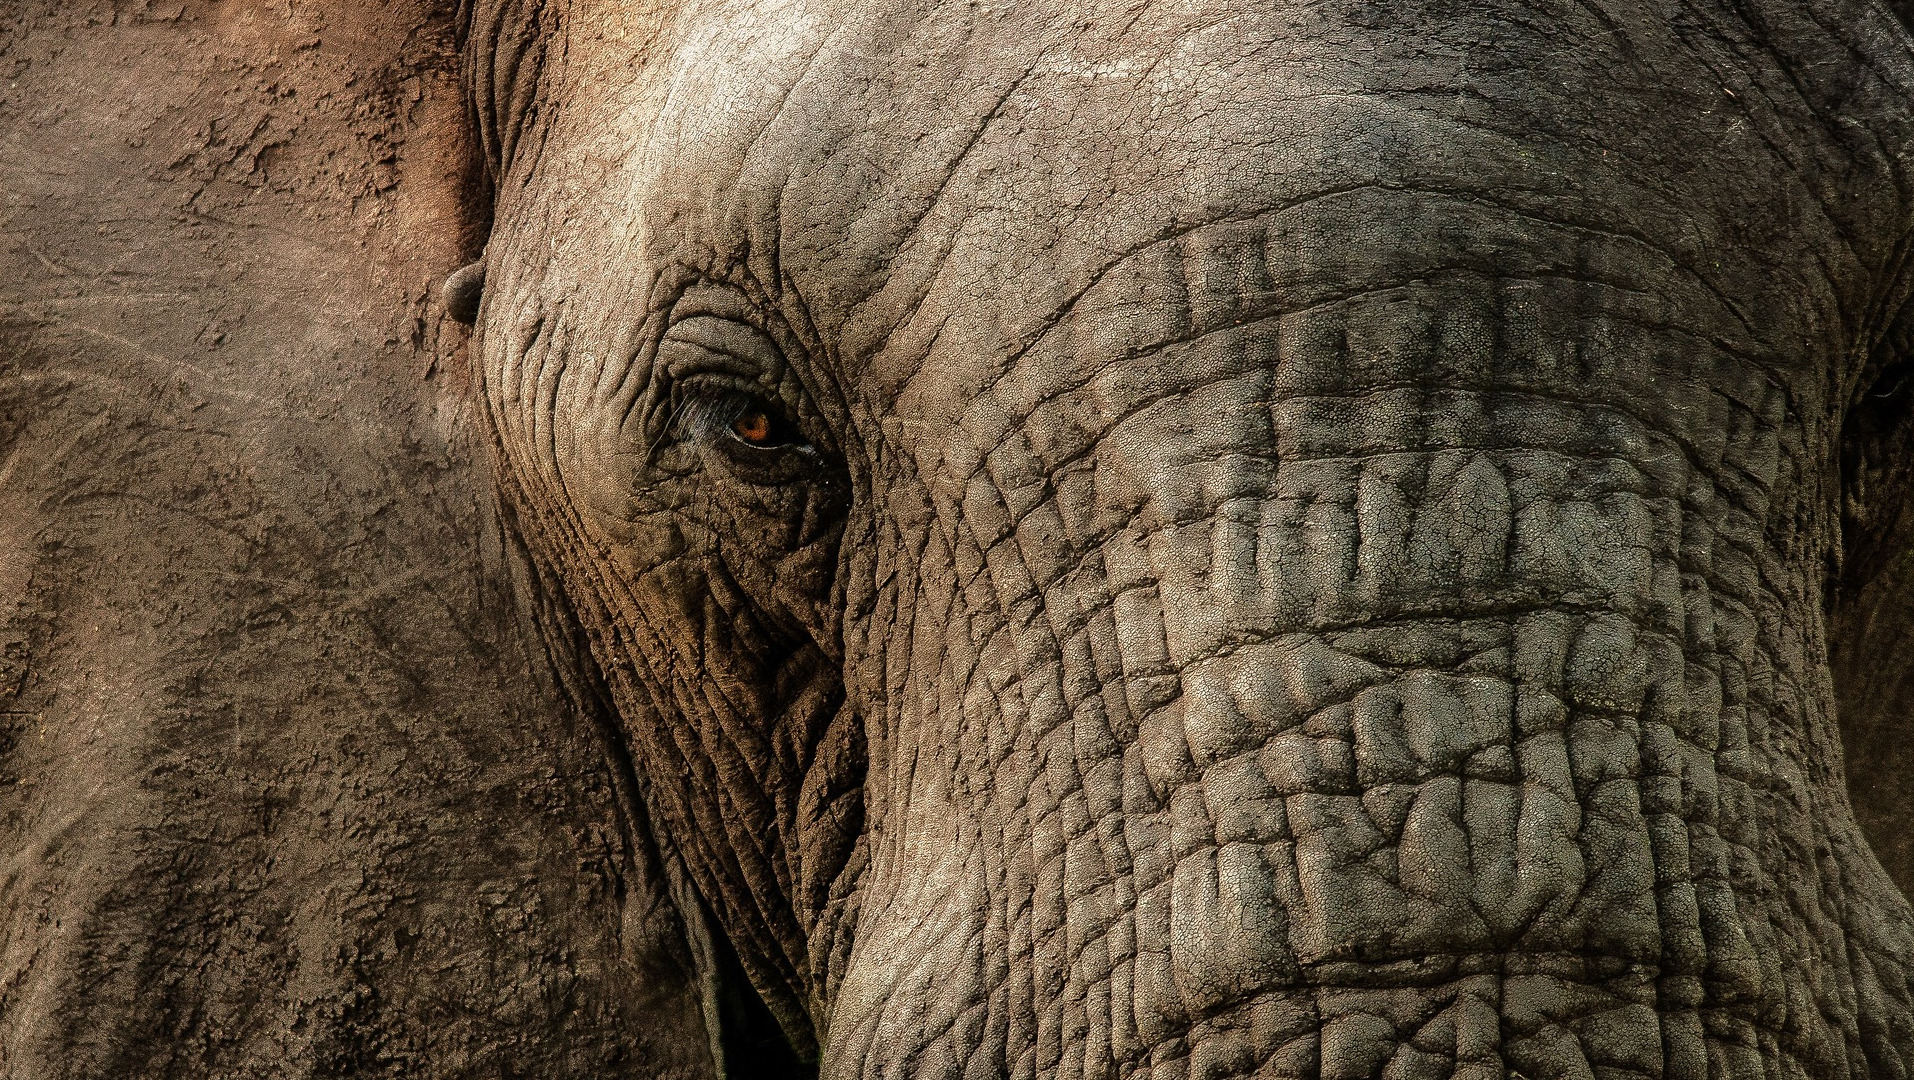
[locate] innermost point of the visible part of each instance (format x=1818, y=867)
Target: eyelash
x=719, y=412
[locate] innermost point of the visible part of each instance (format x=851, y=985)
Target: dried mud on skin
x=288, y=785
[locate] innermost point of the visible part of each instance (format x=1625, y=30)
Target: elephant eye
x=759, y=426
x=727, y=415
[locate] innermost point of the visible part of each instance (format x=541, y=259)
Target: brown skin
x=289, y=784
x=306, y=773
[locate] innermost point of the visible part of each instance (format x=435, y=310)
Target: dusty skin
x=1157, y=539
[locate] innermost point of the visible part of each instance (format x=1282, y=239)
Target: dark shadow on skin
x=755, y=1047
x=749, y=1044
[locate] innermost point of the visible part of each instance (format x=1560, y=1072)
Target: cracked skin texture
x=1318, y=540
x=1303, y=547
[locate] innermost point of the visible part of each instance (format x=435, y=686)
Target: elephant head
x=1189, y=539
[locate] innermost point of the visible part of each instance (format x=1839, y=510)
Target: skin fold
x=1182, y=539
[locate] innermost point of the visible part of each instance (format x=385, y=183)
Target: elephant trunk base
x=1363, y=736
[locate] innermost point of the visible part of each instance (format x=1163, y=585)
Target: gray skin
x=1293, y=540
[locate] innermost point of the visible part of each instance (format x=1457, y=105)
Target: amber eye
x=754, y=426
x=732, y=417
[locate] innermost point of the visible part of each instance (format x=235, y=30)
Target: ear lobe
x=463, y=290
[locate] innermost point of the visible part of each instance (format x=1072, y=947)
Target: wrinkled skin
x=1190, y=539
x=291, y=787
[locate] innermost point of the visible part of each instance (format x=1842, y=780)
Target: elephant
x=1154, y=539
x=290, y=784
x=1191, y=539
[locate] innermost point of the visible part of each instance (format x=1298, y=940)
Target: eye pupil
x=753, y=427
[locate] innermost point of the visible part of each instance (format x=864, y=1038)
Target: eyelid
x=706, y=342
x=714, y=352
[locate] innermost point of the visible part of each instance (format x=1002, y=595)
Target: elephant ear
x=289, y=784
x=1871, y=600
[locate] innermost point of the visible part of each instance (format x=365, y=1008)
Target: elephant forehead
x=937, y=188
x=840, y=136
x=862, y=144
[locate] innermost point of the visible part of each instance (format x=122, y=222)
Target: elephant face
x=1163, y=539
